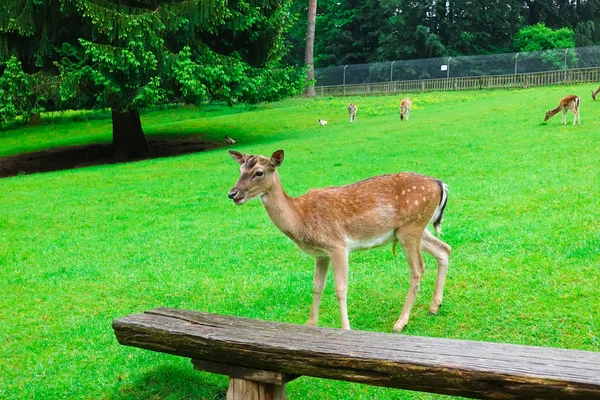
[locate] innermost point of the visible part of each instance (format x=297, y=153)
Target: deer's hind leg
x=410, y=245
x=576, y=117
x=441, y=252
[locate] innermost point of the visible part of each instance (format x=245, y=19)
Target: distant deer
x=405, y=106
x=229, y=140
x=352, y=110
x=332, y=222
x=595, y=93
x=322, y=122
x=568, y=102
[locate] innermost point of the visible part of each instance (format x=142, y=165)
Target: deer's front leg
x=339, y=261
x=321, y=268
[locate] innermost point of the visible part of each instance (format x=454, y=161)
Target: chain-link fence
x=462, y=66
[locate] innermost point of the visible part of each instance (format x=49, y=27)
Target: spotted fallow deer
x=567, y=103
x=595, y=93
x=405, y=106
x=352, y=110
x=332, y=222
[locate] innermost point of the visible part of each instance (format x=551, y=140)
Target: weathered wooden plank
x=466, y=368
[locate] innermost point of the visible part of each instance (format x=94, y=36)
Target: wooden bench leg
x=243, y=389
x=248, y=383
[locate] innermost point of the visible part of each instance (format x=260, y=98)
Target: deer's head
x=594, y=95
x=257, y=175
x=548, y=115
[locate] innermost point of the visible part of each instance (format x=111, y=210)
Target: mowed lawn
x=81, y=247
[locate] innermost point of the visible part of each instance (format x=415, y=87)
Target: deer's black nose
x=232, y=193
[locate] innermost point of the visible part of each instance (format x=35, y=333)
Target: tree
x=310, y=47
x=17, y=95
x=129, y=55
x=540, y=37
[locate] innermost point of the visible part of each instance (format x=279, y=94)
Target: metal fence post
x=448, y=69
x=392, y=71
x=566, y=53
x=516, y=63
x=345, y=66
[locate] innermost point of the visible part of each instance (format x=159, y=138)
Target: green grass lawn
x=79, y=248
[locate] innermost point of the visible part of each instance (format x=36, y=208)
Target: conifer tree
x=129, y=55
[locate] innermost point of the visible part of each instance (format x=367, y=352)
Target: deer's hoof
x=399, y=326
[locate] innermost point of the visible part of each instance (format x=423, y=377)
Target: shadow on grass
x=98, y=154
x=170, y=382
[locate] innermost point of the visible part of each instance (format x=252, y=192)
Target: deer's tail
x=439, y=211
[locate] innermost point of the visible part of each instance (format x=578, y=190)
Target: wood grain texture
x=242, y=389
x=447, y=366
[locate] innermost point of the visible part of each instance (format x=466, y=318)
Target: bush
x=17, y=97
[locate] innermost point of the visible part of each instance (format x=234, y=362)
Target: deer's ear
x=277, y=158
x=237, y=156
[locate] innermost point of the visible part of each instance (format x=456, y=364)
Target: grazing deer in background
x=405, y=106
x=568, y=102
x=595, y=93
x=352, y=110
x=229, y=140
x=332, y=222
x=322, y=122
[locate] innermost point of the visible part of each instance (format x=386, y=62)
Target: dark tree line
x=362, y=31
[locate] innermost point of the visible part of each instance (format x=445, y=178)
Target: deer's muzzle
x=237, y=197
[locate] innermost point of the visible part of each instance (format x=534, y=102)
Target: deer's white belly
x=363, y=244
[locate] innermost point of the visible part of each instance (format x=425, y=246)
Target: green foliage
x=540, y=37
x=17, y=97
x=211, y=76
x=361, y=31
x=132, y=55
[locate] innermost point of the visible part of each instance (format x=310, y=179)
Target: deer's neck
x=281, y=209
x=556, y=110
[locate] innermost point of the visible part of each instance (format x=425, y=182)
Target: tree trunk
x=128, y=137
x=534, y=9
x=35, y=120
x=310, y=46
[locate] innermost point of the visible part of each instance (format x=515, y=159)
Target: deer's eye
x=259, y=173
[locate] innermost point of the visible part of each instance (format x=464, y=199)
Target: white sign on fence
x=444, y=67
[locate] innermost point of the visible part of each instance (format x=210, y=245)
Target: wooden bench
x=261, y=356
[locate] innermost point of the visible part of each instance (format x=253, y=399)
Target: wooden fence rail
x=260, y=357
x=513, y=81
